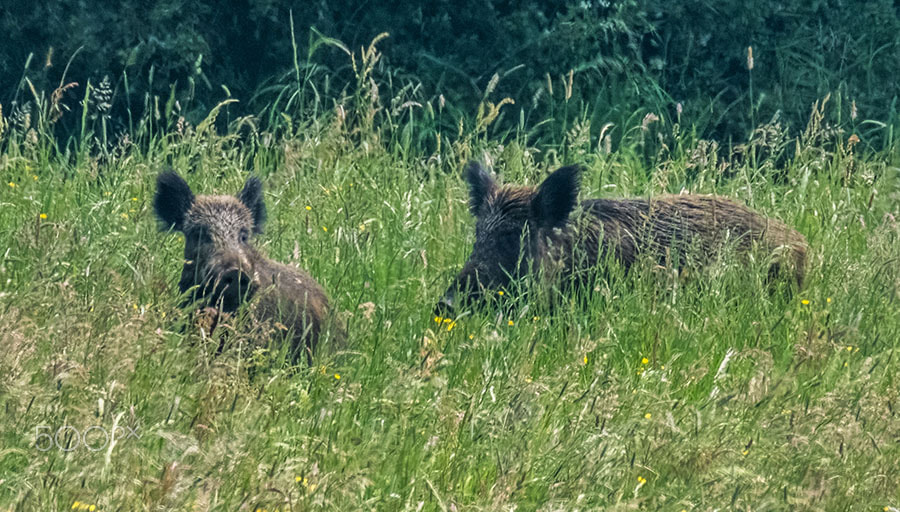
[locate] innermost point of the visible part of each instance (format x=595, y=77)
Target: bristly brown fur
x=512, y=201
x=224, y=270
x=672, y=229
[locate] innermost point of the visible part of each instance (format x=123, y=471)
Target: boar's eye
x=245, y=235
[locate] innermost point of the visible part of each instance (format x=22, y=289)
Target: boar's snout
x=231, y=282
x=465, y=290
x=231, y=286
x=446, y=306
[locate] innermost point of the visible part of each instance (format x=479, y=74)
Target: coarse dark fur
x=523, y=229
x=224, y=271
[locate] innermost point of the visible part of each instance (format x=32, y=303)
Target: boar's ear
x=556, y=197
x=252, y=197
x=480, y=186
x=173, y=200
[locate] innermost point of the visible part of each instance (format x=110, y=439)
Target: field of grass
x=654, y=392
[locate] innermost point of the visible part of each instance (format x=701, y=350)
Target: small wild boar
x=523, y=230
x=225, y=271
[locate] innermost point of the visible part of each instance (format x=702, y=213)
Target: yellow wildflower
x=134, y=199
x=511, y=323
x=308, y=207
x=12, y=185
x=648, y=416
x=324, y=229
x=500, y=292
x=644, y=360
x=43, y=216
x=805, y=302
x=124, y=215
x=337, y=376
x=585, y=359
x=828, y=300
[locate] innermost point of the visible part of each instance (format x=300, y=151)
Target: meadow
x=653, y=391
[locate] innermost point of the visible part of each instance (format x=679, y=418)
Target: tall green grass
x=653, y=391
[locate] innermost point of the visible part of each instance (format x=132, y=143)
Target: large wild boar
x=523, y=229
x=223, y=270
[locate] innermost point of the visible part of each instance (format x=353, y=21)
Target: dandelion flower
x=828, y=300
x=511, y=323
x=134, y=199
x=308, y=208
x=500, y=293
x=471, y=336
x=648, y=416
x=805, y=302
x=12, y=185
x=337, y=376
x=644, y=360
x=43, y=216
x=585, y=359
x=849, y=348
x=324, y=229
x=745, y=452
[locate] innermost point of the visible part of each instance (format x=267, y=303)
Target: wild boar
x=522, y=230
x=224, y=271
